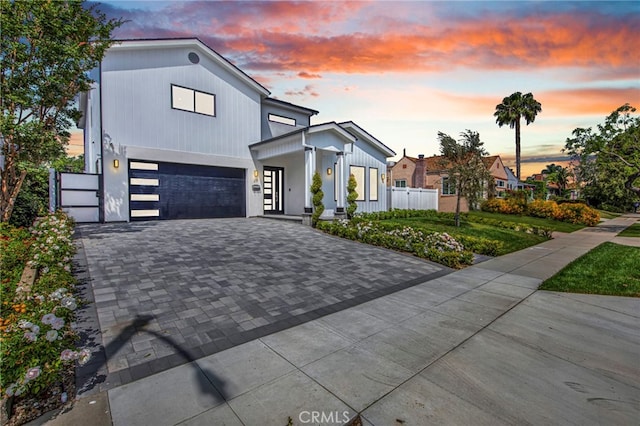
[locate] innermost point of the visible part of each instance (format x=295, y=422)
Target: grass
x=607, y=215
x=511, y=240
x=632, y=231
x=609, y=269
x=555, y=225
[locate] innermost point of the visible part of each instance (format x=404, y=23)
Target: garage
x=159, y=190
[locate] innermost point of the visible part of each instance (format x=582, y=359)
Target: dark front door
x=273, y=185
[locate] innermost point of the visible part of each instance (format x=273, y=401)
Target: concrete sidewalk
x=478, y=346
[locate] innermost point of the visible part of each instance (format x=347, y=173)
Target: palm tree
x=560, y=177
x=550, y=169
x=510, y=111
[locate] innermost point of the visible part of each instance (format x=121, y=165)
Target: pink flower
x=84, y=356
x=68, y=355
x=32, y=373
x=57, y=324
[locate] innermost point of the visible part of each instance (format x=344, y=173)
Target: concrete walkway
x=478, y=346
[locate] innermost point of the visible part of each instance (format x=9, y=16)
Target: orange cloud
x=304, y=74
x=376, y=37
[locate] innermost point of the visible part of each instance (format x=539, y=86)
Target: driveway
x=167, y=293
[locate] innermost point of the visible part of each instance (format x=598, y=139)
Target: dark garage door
x=184, y=191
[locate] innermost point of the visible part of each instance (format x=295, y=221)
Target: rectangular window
x=500, y=183
x=400, y=183
x=373, y=184
x=447, y=187
x=191, y=100
x=358, y=172
x=282, y=120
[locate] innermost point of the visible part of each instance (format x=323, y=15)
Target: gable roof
x=360, y=133
x=195, y=43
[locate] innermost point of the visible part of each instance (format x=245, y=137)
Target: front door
x=273, y=183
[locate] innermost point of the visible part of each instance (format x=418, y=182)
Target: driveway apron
x=169, y=292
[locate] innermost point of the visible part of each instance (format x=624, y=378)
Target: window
x=400, y=183
x=282, y=120
x=447, y=187
x=499, y=183
x=358, y=172
x=373, y=184
x=193, y=101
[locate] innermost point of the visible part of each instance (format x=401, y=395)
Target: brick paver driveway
x=169, y=292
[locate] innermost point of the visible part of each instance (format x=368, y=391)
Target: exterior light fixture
x=329, y=171
x=382, y=176
x=255, y=174
x=116, y=163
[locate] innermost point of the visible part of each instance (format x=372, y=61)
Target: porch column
x=308, y=178
x=341, y=187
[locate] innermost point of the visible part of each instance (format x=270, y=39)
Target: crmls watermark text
x=324, y=417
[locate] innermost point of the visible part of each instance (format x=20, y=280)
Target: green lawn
x=607, y=215
x=511, y=240
x=610, y=269
x=632, y=231
x=556, y=225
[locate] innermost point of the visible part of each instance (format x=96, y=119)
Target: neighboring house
x=553, y=189
x=428, y=172
x=176, y=131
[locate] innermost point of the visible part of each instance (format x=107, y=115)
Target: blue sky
x=406, y=70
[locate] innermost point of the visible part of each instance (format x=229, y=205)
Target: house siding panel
x=137, y=97
x=365, y=155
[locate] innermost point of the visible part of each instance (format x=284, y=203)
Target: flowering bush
x=36, y=335
x=441, y=248
x=573, y=212
x=505, y=206
x=542, y=208
x=578, y=213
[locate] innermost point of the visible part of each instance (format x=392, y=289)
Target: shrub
x=316, y=199
x=578, y=213
x=352, y=196
x=438, y=247
x=505, y=206
x=542, y=208
x=37, y=339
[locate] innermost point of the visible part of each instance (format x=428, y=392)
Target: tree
x=511, y=110
x=560, y=176
x=464, y=165
x=550, y=169
x=316, y=199
x=47, y=49
x=352, y=196
x=610, y=158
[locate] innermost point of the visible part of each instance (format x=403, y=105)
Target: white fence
x=75, y=193
x=412, y=198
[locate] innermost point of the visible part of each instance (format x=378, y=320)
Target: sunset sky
x=406, y=70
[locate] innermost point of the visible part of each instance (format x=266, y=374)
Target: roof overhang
x=327, y=137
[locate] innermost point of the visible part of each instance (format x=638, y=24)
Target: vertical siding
x=365, y=155
x=137, y=104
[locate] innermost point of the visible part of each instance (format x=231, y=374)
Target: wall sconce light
x=116, y=163
x=329, y=171
x=382, y=176
x=255, y=174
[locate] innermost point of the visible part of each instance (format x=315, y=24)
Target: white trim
x=144, y=181
x=136, y=165
x=145, y=197
x=145, y=213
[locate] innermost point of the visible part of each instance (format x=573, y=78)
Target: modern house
x=430, y=173
x=174, y=131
